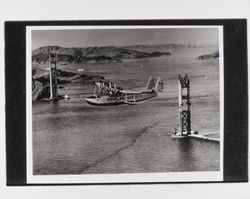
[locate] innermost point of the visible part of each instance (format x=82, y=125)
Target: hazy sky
x=121, y=37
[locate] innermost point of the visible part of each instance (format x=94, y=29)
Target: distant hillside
x=92, y=54
x=160, y=47
x=213, y=55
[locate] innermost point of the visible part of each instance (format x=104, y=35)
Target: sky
x=123, y=37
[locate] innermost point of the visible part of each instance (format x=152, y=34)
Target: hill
x=41, y=79
x=160, y=47
x=92, y=54
x=213, y=55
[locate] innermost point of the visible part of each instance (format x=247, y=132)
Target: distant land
x=41, y=80
x=213, y=55
x=163, y=47
x=105, y=54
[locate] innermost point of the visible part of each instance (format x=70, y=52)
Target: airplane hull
x=118, y=100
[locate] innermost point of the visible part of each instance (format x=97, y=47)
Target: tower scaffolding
x=53, y=59
x=184, y=126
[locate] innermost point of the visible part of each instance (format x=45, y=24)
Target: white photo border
x=117, y=178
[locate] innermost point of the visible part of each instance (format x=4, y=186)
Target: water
x=72, y=137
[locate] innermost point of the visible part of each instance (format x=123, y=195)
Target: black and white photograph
x=124, y=99
x=124, y=103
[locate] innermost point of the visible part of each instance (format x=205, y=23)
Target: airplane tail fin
x=151, y=83
x=155, y=83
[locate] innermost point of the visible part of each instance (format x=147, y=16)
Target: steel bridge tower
x=53, y=60
x=184, y=106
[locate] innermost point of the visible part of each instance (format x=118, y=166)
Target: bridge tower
x=184, y=106
x=53, y=60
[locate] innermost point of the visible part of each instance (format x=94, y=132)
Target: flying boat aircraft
x=108, y=94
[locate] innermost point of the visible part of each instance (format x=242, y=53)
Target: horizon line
x=201, y=44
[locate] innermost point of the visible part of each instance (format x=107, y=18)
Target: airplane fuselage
x=107, y=100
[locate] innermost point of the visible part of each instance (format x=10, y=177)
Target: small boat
x=66, y=97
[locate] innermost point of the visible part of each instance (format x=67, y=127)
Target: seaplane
x=108, y=94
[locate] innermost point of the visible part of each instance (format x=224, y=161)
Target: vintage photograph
x=124, y=100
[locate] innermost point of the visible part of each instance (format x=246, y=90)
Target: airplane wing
x=129, y=92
